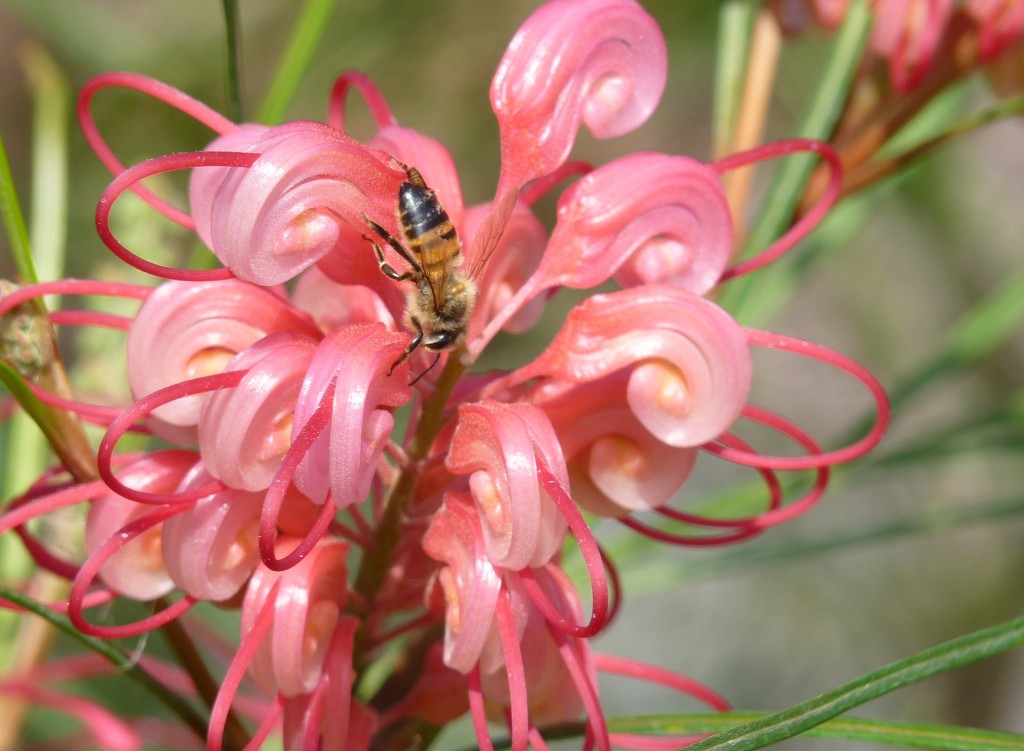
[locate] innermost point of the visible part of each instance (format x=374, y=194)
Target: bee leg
x=386, y=267
x=390, y=240
x=429, y=368
x=412, y=346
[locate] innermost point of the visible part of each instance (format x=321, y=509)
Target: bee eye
x=440, y=341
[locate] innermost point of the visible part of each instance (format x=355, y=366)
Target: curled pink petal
x=616, y=465
x=307, y=600
x=599, y=62
x=515, y=258
x=344, y=459
x=323, y=719
x=210, y=550
x=690, y=363
x=186, y=330
x=468, y=580
x=908, y=33
x=137, y=569
x=497, y=445
x=244, y=431
x=644, y=218
x=302, y=198
x=333, y=305
x=1000, y=24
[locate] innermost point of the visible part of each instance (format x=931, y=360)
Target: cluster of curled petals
x=915, y=37
x=282, y=379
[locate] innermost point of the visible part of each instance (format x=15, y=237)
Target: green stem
x=124, y=662
x=375, y=564
x=233, y=43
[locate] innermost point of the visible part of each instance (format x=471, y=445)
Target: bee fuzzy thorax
x=439, y=306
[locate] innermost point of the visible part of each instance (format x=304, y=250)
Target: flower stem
x=375, y=564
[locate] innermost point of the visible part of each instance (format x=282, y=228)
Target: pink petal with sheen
x=599, y=62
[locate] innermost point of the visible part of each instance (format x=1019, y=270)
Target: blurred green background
x=917, y=545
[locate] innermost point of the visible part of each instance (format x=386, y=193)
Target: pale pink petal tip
x=599, y=62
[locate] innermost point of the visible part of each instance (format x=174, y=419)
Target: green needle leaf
x=296, y=60
x=796, y=720
x=14, y=221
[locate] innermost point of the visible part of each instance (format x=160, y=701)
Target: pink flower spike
x=469, y=581
x=187, y=330
x=303, y=197
x=344, y=460
x=498, y=446
x=600, y=62
x=355, y=79
x=808, y=221
x=158, y=90
x=244, y=432
x=126, y=180
x=690, y=361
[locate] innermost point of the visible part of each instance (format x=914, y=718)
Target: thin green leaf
x=51, y=98
x=124, y=662
x=295, y=62
x=790, y=180
x=735, y=26
x=914, y=735
x=14, y=221
x=232, y=44
x=796, y=720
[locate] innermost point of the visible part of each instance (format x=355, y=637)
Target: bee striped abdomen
x=429, y=233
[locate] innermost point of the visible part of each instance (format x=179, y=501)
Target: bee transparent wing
x=434, y=258
x=490, y=231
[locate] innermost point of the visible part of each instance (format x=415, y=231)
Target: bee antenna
x=430, y=367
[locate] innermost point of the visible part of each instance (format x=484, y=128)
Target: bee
x=439, y=306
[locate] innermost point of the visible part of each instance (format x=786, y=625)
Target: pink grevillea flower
x=1000, y=24
x=282, y=379
x=599, y=62
x=498, y=446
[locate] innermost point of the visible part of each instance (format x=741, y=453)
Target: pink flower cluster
x=274, y=381
x=917, y=36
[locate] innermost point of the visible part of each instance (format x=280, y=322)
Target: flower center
x=620, y=456
x=209, y=361
x=488, y=495
x=665, y=384
x=311, y=231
